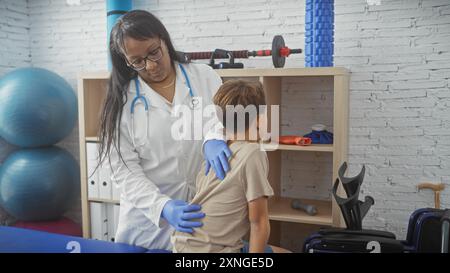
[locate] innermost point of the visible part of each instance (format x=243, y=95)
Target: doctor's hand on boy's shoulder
x=180, y=214
x=217, y=153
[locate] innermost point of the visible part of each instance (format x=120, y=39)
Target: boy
x=238, y=203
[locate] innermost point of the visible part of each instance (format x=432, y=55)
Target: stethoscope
x=193, y=104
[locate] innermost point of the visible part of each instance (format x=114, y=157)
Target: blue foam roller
x=319, y=32
x=18, y=240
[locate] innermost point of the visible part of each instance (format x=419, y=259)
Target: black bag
x=352, y=241
x=427, y=231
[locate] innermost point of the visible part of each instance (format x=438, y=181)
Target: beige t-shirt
x=225, y=202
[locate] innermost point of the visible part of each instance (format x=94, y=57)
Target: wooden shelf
x=280, y=210
x=310, y=148
x=285, y=72
x=92, y=139
x=252, y=72
x=104, y=200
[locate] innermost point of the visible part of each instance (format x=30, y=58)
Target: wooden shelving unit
x=92, y=90
x=279, y=207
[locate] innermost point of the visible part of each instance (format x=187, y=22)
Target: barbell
x=279, y=52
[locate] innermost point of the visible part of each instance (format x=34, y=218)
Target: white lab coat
x=164, y=168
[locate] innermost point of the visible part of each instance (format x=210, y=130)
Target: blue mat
x=19, y=240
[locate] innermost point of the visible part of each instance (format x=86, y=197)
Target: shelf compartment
x=280, y=210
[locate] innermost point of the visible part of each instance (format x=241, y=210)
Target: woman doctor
x=155, y=172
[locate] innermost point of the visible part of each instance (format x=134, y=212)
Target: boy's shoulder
x=247, y=150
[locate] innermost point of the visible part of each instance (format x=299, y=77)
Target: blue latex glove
x=179, y=215
x=217, y=155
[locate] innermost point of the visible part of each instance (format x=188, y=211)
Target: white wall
x=14, y=35
x=67, y=40
x=398, y=53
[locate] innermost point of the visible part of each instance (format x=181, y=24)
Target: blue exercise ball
x=5, y=150
x=37, y=107
x=39, y=184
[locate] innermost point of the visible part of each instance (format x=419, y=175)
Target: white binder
x=111, y=226
x=92, y=171
x=99, y=221
x=105, y=191
x=116, y=215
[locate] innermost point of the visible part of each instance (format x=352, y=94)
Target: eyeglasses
x=141, y=63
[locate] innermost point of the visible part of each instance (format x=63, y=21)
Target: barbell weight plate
x=277, y=44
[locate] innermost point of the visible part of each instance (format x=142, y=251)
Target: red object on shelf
x=62, y=226
x=295, y=140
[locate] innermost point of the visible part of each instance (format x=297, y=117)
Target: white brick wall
x=406, y=43
x=14, y=35
x=68, y=39
x=398, y=53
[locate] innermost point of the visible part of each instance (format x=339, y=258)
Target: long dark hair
x=139, y=25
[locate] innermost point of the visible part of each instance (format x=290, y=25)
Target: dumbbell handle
x=309, y=209
x=206, y=55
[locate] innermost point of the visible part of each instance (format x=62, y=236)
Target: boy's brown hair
x=239, y=92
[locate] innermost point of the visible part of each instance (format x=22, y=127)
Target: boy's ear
x=260, y=119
